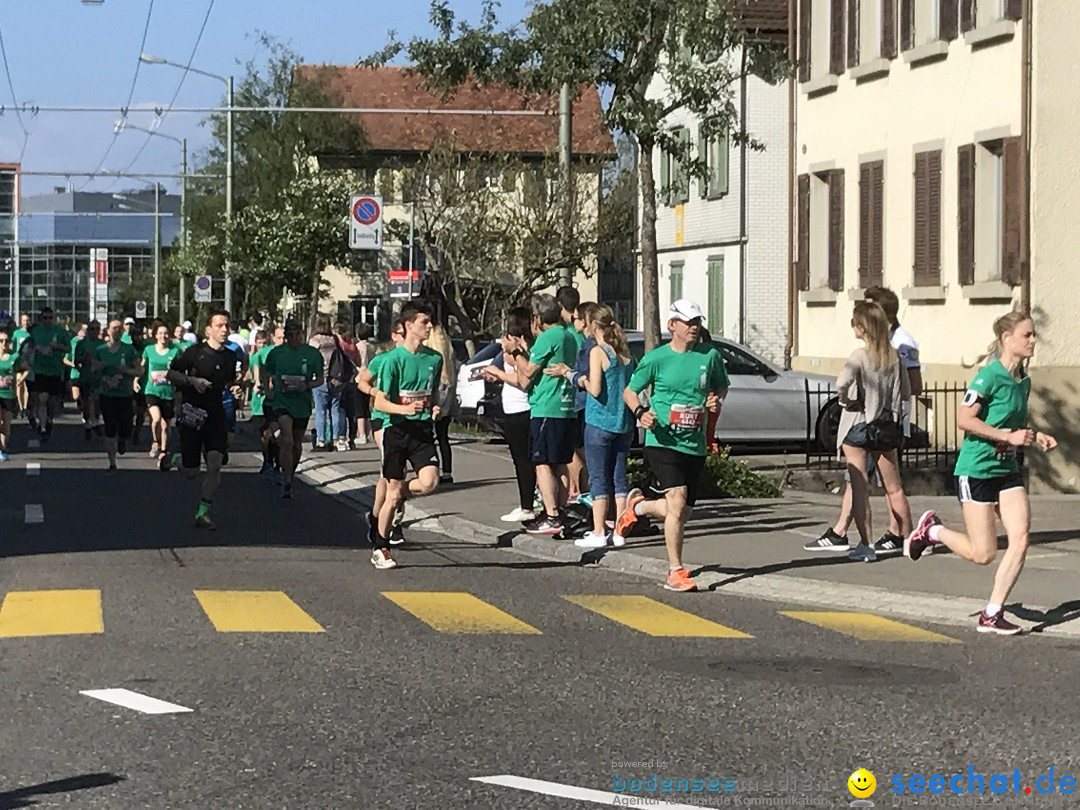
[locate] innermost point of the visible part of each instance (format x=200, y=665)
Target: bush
x=723, y=477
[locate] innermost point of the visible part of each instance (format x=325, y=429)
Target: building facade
x=929, y=158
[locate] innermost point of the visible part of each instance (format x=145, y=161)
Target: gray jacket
x=867, y=393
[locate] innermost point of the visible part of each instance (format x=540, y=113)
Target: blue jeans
x=605, y=456
x=328, y=400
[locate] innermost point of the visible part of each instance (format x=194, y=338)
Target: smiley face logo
x=862, y=784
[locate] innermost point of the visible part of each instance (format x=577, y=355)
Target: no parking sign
x=202, y=289
x=365, y=222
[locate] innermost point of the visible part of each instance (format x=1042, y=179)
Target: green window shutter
x=675, y=290
x=719, y=176
x=716, y=296
x=665, y=177
x=683, y=191
x=704, y=183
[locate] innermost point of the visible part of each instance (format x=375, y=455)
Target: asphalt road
x=327, y=684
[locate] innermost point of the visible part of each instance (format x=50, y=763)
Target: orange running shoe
x=679, y=580
x=625, y=521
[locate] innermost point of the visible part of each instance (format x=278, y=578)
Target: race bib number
x=192, y=417
x=159, y=377
x=687, y=417
x=7, y=381
x=293, y=382
x=44, y=351
x=113, y=382
x=411, y=397
x=1003, y=451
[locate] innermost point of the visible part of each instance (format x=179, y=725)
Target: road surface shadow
x=24, y=797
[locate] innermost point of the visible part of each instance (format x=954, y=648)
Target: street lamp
x=123, y=124
x=151, y=59
x=157, y=239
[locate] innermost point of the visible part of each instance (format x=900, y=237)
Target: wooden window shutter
x=1012, y=208
x=877, y=222
x=933, y=170
x=865, y=226
x=704, y=156
x=836, y=37
x=853, y=33
x=802, y=265
x=965, y=213
x=907, y=24
x=836, y=229
x=949, y=19
x=888, y=29
x=920, y=221
x=805, y=8
x=967, y=15
x=1014, y=9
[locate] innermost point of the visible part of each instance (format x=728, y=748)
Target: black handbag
x=884, y=433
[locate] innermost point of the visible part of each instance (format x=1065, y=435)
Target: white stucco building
x=929, y=158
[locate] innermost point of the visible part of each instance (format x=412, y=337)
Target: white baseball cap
x=128, y=320
x=187, y=324
x=685, y=310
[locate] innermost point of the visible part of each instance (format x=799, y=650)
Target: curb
x=357, y=493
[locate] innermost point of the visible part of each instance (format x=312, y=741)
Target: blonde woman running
x=993, y=415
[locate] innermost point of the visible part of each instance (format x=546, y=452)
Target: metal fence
x=934, y=441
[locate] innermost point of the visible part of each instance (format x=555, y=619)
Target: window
x=714, y=151
x=739, y=362
x=821, y=38
x=675, y=281
x=927, y=266
x=989, y=211
x=386, y=184
x=871, y=223
x=927, y=22
x=821, y=230
x=715, y=314
x=866, y=34
x=674, y=178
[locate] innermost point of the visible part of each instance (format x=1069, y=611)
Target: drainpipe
x=742, y=202
x=793, y=294
x=1025, y=160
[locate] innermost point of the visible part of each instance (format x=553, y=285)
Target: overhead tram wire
x=14, y=98
x=131, y=93
x=179, y=86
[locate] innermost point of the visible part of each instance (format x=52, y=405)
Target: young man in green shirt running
x=407, y=384
x=10, y=365
x=18, y=337
x=263, y=346
x=294, y=369
x=47, y=343
x=687, y=379
x=117, y=365
x=81, y=361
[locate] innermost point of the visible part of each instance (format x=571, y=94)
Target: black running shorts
x=409, y=443
x=165, y=405
x=986, y=490
x=195, y=442
x=117, y=413
x=674, y=470
x=46, y=384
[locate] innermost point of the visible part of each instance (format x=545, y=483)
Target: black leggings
x=446, y=455
x=117, y=413
x=516, y=430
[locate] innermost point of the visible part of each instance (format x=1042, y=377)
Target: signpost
x=202, y=289
x=365, y=222
x=140, y=309
x=99, y=287
x=403, y=283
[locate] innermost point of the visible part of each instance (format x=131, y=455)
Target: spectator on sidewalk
x=515, y=408
x=446, y=400
x=365, y=351
x=349, y=393
x=329, y=409
x=571, y=309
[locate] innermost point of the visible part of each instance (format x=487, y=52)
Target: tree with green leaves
x=620, y=46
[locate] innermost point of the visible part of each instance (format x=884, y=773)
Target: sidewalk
x=754, y=547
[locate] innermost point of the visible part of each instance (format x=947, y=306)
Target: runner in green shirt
x=687, y=379
x=158, y=391
x=994, y=418
x=10, y=365
x=293, y=369
x=407, y=384
x=258, y=398
x=118, y=364
x=47, y=344
x=88, y=382
x=366, y=382
x=18, y=337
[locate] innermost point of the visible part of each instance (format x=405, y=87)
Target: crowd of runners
x=572, y=399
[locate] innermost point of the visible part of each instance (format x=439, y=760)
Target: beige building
x=928, y=158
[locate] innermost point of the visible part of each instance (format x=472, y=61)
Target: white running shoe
x=382, y=560
x=592, y=540
x=519, y=515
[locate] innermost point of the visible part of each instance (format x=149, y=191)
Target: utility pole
x=229, y=190
x=183, y=221
x=157, y=247
x=567, y=177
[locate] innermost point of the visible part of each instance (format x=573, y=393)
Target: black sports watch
x=639, y=410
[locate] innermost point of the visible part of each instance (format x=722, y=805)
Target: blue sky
x=62, y=52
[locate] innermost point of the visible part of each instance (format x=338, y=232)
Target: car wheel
x=828, y=426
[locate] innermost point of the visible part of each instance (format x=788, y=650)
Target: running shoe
x=121, y=446
x=202, y=521
x=625, y=522
x=382, y=560
x=446, y=479
x=3, y=456
x=919, y=540
x=680, y=580
x=592, y=540
x=519, y=515
x=397, y=535
x=829, y=541
x=544, y=526
x=163, y=462
x=112, y=466
x=889, y=544
x=286, y=492
x=997, y=624
x=585, y=499
x=267, y=471
x=862, y=553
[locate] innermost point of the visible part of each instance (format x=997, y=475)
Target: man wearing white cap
x=189, y=336
x=686, y=379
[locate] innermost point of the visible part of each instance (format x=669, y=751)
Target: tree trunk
x=650, y=283
x=316, y=283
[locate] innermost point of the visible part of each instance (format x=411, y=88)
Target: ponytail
x=613, y=333
x=1002, y=326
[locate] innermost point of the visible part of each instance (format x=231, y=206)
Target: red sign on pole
x=101, y=265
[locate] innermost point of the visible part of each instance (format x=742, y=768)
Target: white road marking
x=34, y=513
x=33, y=444
x=33, y=468
x=133, y=700
x=571, y=792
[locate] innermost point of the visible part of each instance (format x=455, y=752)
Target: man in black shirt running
x=202, y=372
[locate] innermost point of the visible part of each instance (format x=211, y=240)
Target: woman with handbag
x=872, y=389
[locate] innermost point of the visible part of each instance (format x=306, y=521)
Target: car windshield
x=486, y=354
x=736, y=359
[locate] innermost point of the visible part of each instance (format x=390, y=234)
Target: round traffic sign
x=202, y=282
x=366, y=211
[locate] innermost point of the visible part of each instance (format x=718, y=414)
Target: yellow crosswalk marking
x=51, y=613
x=255, y=612
x=654, y=618
x=868, y=627
x=450, y=612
